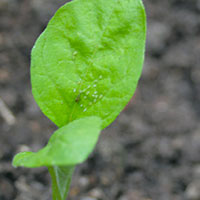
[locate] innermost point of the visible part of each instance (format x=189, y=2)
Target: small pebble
x=193, y=191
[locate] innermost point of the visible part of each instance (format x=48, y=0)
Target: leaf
x=89, y=59
x=68, y=146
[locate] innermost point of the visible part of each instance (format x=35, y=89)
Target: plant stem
x=61, y=179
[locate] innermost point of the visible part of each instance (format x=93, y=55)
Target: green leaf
x=89, y=59
x=68, y=146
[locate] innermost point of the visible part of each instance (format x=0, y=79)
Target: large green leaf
x=89, y=59
x=68, y=146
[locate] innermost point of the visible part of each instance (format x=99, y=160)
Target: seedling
x=84, y=70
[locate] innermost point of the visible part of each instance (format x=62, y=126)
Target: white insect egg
x=84, y=109
x=74, y=90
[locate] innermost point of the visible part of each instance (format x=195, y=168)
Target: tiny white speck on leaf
x=85, y=97
x=100, y=77
x=81, y=105
x=74, y=90
x=84, y=109
x=95, y=92
x=88, y=92
x=95, y=85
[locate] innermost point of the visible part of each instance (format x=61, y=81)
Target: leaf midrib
x=92, y=57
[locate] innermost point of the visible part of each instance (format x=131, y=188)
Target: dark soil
x=152, y=151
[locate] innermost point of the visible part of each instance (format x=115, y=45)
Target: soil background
x=152, y=150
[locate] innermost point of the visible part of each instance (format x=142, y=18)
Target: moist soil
x=152, y=150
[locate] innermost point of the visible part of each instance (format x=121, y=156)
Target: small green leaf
x=89, y=59
x=68, y=146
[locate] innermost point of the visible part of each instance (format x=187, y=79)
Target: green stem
x=61, y=179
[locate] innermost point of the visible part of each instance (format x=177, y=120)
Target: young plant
x=84, y=70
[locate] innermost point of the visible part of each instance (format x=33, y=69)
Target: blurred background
x=152, y=150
